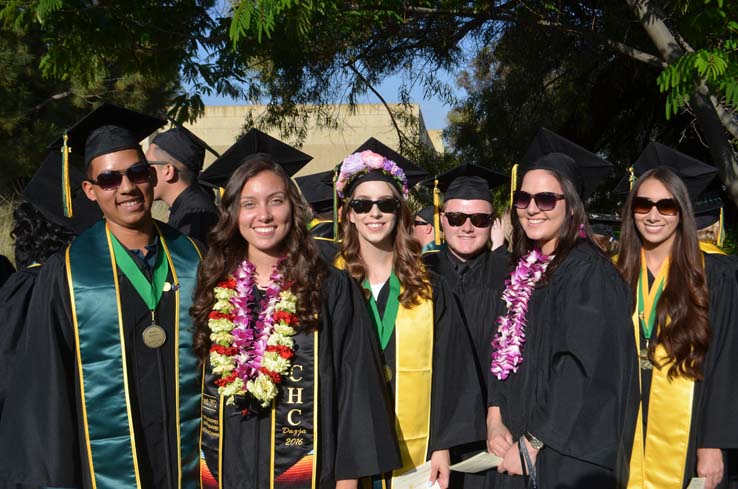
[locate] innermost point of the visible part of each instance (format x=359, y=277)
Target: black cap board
x=254, y=141
x=108, y=129
x=426, y=213
x=549, y=151
x=184, y=146
x=44, y=191
x=695, y=174
x=318, y=190
x=469, y=182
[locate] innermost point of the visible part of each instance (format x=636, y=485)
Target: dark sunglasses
x=545, y=201
x=478, y=220
x=420, y=223
x=666, y=207
x=362, y=206
x=111, y=179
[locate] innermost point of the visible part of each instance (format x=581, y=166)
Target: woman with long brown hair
x=562, y=390
x=292, y=376
x=685, y=319
x=427, y=355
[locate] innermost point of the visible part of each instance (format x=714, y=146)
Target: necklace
x=251, y=356
x=648, y=298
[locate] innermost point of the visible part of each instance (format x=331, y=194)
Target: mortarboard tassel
x=436, y=214
x=721, y=230
x=66, y=187
x=631, y=177
x=513, y=182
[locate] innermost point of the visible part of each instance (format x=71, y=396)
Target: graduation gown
x=455, y=417
x=6, y=269
x=15, y=296
x=577, y=387
x=715, y=400
x=42, y=438
x=355, y=432
x=193, y=213
x=476, y=285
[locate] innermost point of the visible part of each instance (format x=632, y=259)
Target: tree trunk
x=708, y=119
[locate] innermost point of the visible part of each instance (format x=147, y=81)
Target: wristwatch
x=534, y=442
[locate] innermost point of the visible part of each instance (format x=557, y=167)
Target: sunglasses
x=666, y=207
x=362, y=206
x=545, y=201
x=111, y=179
x=420, y=223
x=478, y=220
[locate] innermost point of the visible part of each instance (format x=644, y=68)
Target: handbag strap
x=528, y=468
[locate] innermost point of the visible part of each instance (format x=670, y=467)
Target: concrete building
x=220, y=126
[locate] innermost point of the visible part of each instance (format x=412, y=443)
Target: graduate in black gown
x=104, y=391
x=685, y=319
x=566, y=404
x=428, y=358
x=317, y=189
x=39, y=230
x=475, y=274
x=294, y=402
x=178, y=156
x=6, y=269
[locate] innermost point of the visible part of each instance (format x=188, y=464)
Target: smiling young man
x=105, y=392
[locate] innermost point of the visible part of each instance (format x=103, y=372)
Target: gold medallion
x=388, y=373
x=167, y=287
x=643, y=360
x=154, y=336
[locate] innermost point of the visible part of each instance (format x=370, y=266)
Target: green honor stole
x=92, y=274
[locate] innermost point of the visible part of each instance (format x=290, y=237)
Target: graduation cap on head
x=549, y=151
x=426, y=213
x=107, y=129
x=318, y=190
x=254, y=141
x=184, y=146
x=44, y=191
x=413, y=172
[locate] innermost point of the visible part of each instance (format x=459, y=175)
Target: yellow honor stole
x=659, y=462
x=413, y=380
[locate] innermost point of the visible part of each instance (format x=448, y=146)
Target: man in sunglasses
x=178, y=156
x=105, y=393
x=475, y=274
x=423, y=229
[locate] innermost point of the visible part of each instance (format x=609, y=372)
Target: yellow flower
x=222, y=338
x=262, y=388
x=272, y=361
x=219, y=325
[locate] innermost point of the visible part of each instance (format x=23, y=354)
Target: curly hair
x=569, y=234
x=407, y=262
x=302, y=267
x=36, y=238
x=684, y=301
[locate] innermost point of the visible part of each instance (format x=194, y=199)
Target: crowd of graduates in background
x=328, y=331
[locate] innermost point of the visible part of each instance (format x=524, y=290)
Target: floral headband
x=358, y=164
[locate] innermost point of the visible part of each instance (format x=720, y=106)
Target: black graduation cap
x=44, y=191
x=413, y=172
x=549, y=151
x=468, y=181
x=184, y=146
x=107, y=129
x=254, y=141
x=426, y=213
x=695, y=174
x=318, y=190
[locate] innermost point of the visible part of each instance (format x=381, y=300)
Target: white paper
x=477, y=463
x=415, y=479
x=696, y=483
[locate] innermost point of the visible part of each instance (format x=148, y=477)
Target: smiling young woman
x=429, y=368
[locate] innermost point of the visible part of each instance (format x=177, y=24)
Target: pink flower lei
x=251, y=356
x=357, y=164
x=508, y=343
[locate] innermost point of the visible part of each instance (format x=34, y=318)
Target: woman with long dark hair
x=428, y=358
x=685, y=318
x=291, y=373
x=562, y=385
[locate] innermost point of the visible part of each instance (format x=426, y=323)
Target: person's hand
x=511, y=460
x=497, y=233
x=347, y=484
x=710, y=466
x=440, y=468
x=499, y=439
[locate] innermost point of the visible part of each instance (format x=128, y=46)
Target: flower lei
x=251, y=356
x=508, y=343
x=358, y=163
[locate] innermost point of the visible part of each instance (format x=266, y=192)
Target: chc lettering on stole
x=294, y=430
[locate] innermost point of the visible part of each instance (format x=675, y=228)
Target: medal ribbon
x=649, y=297
x=150, y=292
x=385, y=324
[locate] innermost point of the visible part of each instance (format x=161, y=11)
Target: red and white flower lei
x=251, y=356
